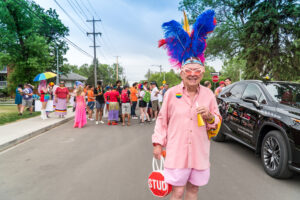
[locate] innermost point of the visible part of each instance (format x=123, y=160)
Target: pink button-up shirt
x=187, y=144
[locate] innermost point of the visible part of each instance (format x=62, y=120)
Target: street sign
x=215, y=73
x=215, y=79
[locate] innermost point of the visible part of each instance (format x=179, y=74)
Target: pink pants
x=180, y=177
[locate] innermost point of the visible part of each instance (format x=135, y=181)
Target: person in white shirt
x=154, y=99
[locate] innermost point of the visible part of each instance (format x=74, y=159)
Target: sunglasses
x=190, y=72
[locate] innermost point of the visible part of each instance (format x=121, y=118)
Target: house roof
x=73, y=77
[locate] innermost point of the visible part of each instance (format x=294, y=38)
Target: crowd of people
x=119, y=102
x=26, y=97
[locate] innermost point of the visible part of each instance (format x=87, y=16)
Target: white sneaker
x=92, y=119
x=102, y=122
x=153, y=119
x=97, y=122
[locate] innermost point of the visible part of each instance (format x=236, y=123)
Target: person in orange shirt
x=133, y=99
x=91, y=101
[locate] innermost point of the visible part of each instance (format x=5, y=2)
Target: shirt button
x=190, y=131
x=190, y=143
x=191, y=118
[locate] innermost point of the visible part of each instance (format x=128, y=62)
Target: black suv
x=264, y=116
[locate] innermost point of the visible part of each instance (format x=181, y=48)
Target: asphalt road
x=112, y=163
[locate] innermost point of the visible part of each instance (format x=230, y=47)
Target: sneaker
x=114, y=123
x=97, y=122
x=153, y=119
x=108, y=123
x=102, y=122
x=91, y=119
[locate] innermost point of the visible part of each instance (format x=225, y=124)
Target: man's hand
x=204, y=111
x=157, y=151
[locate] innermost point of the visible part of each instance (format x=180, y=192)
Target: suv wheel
x=220, y=137
x=274, y=155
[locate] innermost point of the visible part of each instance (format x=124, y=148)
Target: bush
x=4, y=92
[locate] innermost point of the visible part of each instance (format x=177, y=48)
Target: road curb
x=24, y=138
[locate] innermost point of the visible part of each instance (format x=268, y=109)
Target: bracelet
x=211, y=121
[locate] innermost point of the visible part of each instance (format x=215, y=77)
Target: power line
x=42, y=20
x=76, y=2
x=106, y=36
x=77, y=25
x=74, y=8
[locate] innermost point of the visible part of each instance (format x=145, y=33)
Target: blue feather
x=204, y=24
x=178, y=42
x=181, y=46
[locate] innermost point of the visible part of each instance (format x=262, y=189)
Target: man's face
x=118, y=84
x=192, y=74
x=227, y=82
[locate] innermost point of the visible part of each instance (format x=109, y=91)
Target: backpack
x=124, y=97
x=147, y=97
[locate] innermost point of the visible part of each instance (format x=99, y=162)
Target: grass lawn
x=9, y=113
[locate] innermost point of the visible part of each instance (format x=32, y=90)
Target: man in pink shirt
x=177, y=128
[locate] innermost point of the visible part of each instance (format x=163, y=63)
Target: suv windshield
x=285, y=93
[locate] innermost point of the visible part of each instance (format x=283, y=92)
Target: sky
x=130, y=29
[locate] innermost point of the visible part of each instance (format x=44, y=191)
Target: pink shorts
x=180, y=177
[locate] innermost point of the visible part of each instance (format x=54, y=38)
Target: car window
x=236, y=91
x=254, y=91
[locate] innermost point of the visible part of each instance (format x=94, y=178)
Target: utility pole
x=57, y=67
x=117, y=68
x=160, y=68
x=94, y=38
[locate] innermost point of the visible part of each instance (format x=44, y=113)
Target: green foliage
x=29, y=36
x=171, y=78
x=264, y=34
x=105, y=72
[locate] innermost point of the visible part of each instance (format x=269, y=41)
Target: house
x=3, y=77
x=71, y=78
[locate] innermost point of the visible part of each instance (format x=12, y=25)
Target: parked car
x=264, y=116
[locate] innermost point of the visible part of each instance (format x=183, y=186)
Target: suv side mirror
x=252, y=99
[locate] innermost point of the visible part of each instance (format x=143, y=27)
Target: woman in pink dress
x=80, y=114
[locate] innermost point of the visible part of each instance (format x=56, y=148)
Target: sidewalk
x=20, y=131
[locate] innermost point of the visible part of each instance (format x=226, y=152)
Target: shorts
x=180, y=177
x=99, y=105
x=155, y=105
x=142, y=104
x=149, y=104
x=27, y=103
x=126, y=109
x=91, y=105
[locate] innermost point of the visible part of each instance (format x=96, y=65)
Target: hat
x=184, y=47
x=221, y=82
x=153, y=83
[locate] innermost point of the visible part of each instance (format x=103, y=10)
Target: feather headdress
x=182, y=45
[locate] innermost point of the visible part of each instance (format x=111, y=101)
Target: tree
x=105, y=72
x=171, y=78
x=29, y=36
x=265, y=34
